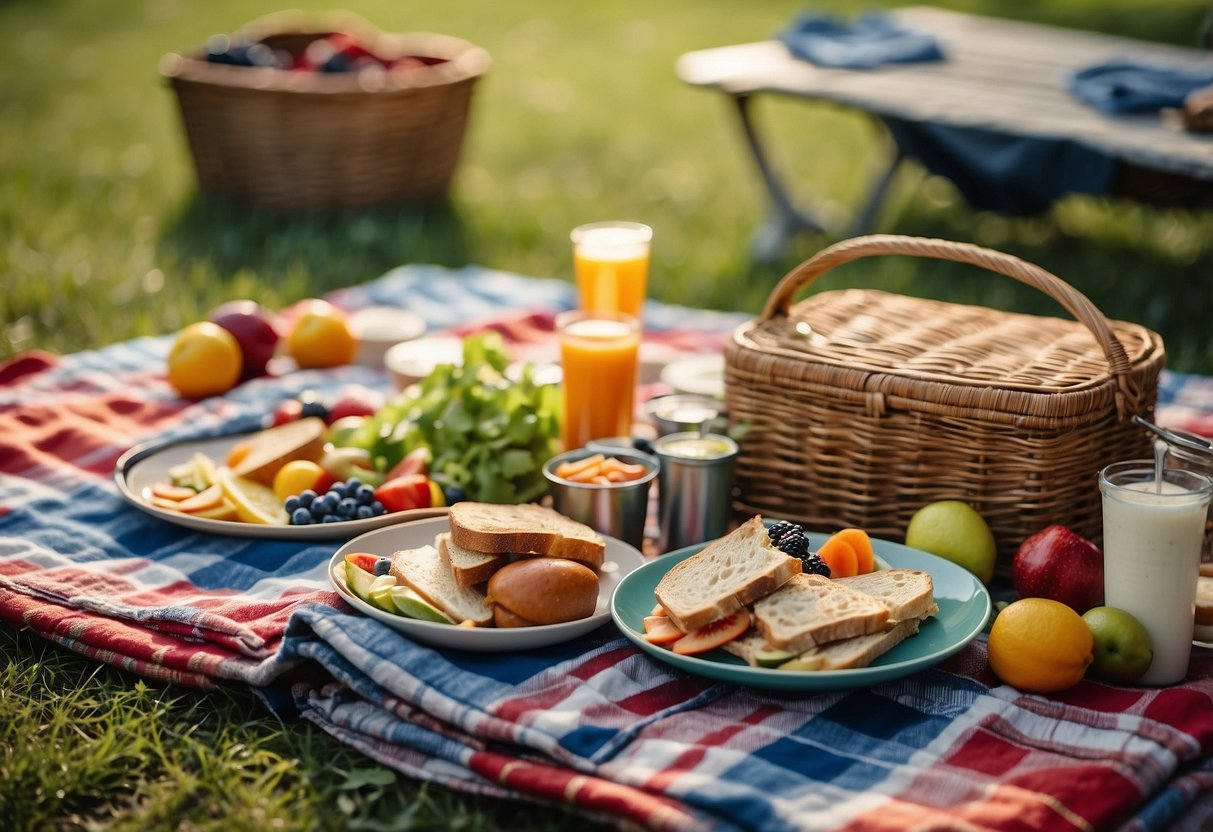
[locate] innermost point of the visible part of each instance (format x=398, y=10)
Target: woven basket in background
x=294, y=141
x=862, y=406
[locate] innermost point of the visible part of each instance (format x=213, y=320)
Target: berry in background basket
x=221, y=50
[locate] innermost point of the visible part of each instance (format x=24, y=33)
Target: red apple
x=1056, y=563
x=253, y=328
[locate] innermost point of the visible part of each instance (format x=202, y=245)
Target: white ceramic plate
x=144, y=465
x=621, y=559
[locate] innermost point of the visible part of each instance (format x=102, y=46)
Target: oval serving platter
x=964, y=607
x=142, y=466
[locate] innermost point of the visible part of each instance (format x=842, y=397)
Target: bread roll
x=544, y=591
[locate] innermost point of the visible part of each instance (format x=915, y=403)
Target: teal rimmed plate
x=964, y=607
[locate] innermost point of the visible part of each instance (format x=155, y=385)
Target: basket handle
x=1074, y=301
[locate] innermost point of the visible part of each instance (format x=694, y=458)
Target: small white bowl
x=379, y=328
x=411, y=361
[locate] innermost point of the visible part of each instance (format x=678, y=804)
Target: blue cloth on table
x=1126, y=86
x=1011, y=175
x=867, y=42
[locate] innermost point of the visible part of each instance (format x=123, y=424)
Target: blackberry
x=782, y=528
x=811, y=564
x=794, y=544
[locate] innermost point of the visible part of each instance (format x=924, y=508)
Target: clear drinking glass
x=611, y=263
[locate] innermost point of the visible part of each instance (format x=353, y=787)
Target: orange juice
x=598, y=354
x=611, y=263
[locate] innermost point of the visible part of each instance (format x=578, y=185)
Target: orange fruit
x=838, y=554
x=205, y=360
x=865, y=555
x=1040, y=646
x=321, y=336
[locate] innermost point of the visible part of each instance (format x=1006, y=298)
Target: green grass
x=103, y=237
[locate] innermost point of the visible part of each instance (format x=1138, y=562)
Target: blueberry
x=364, y=513
x=337, y=490
x=383, y=566
x=378, y=508
x=291, y=503
x=332, y=518
x=347, y=507
x=306, y=497
x=365, y=495
x=352, y=485
x=301, y=517
x=313, y=405
x=330, y=501
x=340, y=62
x=319, y=510
x=454, y=494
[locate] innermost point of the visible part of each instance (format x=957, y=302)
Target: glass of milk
x=1153, y=526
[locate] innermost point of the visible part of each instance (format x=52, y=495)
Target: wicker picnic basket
x=298, y=142
x=861, y=406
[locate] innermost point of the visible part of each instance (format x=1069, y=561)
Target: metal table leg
x=784, y=221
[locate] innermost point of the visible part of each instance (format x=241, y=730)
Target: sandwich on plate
x=751, y=599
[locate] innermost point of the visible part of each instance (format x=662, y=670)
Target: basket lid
x=952, y=354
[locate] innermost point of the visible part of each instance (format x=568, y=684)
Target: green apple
x=380, y=594
x=409, y=603
x=1123, y=650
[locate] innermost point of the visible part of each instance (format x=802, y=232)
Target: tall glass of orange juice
x=598, y=357
x=611, y=262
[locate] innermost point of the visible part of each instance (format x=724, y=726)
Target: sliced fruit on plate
x=224, y=511
x=170, y=491
x=774, y=657
x=205, y=471
x=205, y=500
x=713, y=634
x=412, y=605
x=803, y=663
x=360, y=575
x=659, y=629
x=380, y=594
x=254, y=502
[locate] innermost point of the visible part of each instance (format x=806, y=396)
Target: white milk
x=1152, y=548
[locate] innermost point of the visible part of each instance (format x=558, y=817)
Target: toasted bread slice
x=811, y=610
x=469, y=568
x=527, y=529
x=274, y=447
x=726, y=576
x=908, y=593
x=429, y=574
x=848, y=653
x=1204, y=600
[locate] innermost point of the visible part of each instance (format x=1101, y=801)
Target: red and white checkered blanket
x=593, y=723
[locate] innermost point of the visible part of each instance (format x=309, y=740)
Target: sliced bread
x=430, y=576
x=908, y=593
x=272, y=448
x=527, y=529
x=811, y=610
x=726, y=576
x=860, y=651
x=469, y=568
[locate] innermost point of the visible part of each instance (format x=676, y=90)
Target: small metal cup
x=681, y=412
x=618, y=509
x=695, y=487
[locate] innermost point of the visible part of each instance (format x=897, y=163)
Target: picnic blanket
x=592, y=723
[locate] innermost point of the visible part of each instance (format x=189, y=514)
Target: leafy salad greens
x=487, y=434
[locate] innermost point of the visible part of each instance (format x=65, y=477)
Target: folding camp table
x=998, y=75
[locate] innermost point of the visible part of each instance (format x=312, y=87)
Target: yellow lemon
x=295, y=477
x=205, y=360
x=321, y=336
x=955, y=531
x=1040, y=646
x=254, y=502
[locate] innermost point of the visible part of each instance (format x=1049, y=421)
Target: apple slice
x=205, y=500
x=713, y=634
x=224, y=511
x=169, y=491
x=659, y=629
